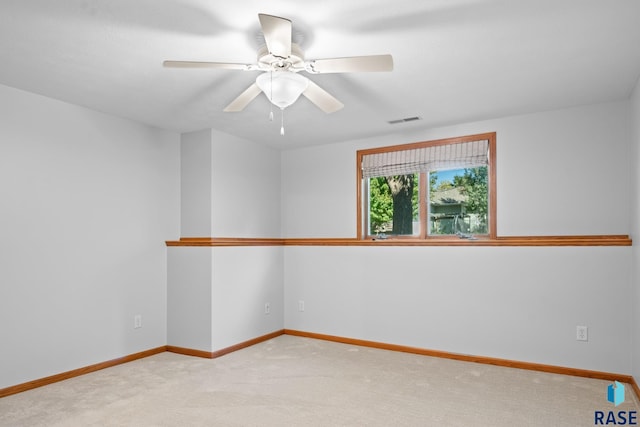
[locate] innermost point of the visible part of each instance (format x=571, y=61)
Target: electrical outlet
x=137, y=321
x=582, y=333
x=300, y=305
x=267, y=308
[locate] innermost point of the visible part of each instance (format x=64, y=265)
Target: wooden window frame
x=362, y=232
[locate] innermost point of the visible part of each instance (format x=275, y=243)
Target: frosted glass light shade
x=282, y=88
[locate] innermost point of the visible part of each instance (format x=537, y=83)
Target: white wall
x=635, y=225
x=86, y=203
x=230, y=187
x=217, y=295
x=244, y=279
x=318, y=191
x=245, y=185
x=511, y=303
x=562, y=172
x=195, y=184
x=189, y=276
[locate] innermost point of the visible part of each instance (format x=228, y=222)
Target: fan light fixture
x=282, y=88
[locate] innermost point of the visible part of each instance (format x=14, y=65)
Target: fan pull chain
x=282, y=122
x=271, y=97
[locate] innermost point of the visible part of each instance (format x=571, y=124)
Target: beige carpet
x=292, y=381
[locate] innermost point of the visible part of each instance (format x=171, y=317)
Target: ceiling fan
x=280, y=61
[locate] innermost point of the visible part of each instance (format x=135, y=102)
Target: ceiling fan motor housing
x=269, y=62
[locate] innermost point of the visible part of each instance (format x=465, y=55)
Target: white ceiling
x=455, y=60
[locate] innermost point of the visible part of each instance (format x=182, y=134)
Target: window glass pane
x=393, y=205
x=458, y=202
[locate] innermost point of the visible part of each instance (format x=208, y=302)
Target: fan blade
x=196, y=64
x=243, y=99
x=277, y=35
x=352, y=64
x=323, y=99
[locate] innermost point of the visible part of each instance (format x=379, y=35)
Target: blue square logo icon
x=615, y=393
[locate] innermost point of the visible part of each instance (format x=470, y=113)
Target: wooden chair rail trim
x=589, y=240
x=226, y=241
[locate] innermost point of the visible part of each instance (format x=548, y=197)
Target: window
x=429, y=189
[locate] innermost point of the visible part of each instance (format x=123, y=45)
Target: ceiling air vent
x=405, y=120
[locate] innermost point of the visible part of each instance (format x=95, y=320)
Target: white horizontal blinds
x=425, y=159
